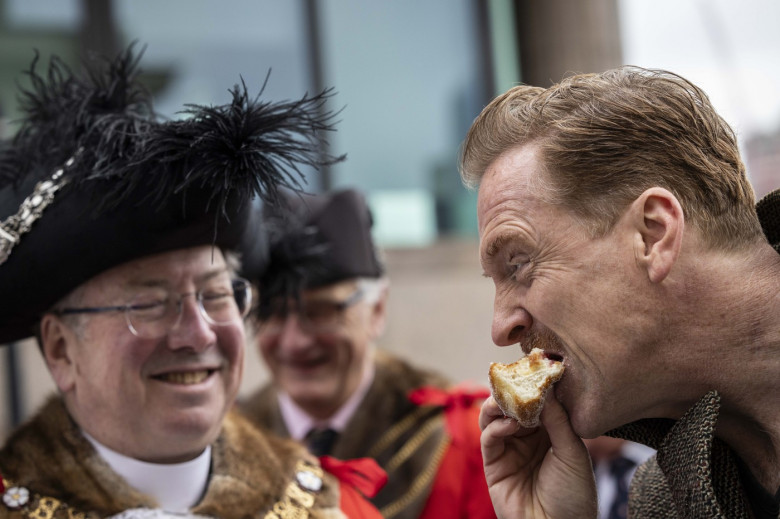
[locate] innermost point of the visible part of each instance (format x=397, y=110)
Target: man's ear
x=379, y=314
x=659, y=222
x=58, y=342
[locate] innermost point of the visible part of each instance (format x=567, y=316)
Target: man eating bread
x=623, y=238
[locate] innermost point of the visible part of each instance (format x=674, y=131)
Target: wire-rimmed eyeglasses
x=152, y=314
x=313, y=316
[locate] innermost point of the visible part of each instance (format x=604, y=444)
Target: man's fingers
x=494, y=437
x=562, y=437
x=489, y=412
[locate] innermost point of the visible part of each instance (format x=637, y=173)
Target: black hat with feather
x=93, y=178
x=316, y=241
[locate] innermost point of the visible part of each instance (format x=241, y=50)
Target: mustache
x=544, y=340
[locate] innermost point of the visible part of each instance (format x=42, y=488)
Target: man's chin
x=310, y=398
x=313, y=399
x=586, y=424
x=195, y=424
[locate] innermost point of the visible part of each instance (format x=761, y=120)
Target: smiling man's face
x=158, y=400
x=561, y=289
x=321, y=365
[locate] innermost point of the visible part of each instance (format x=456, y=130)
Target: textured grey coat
x=694, y=475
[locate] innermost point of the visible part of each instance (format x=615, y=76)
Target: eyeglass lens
x=154, y=313
x=313, y=316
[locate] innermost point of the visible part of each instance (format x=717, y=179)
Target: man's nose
x=191, y=329
x=511, y=322
x=293, y=333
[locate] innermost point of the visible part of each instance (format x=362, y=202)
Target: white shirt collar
x=299, y=423
x=177, y=487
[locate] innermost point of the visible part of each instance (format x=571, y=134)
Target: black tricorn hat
x=94, y=178
x=317, y=240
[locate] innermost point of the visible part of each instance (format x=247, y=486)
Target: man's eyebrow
x=147, y=283
x=494, y=247
x=211, y=274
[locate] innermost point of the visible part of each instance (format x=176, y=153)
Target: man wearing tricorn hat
x=116, y=232
x=322, y=309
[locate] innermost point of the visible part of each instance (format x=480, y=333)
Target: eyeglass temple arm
x=351, y=300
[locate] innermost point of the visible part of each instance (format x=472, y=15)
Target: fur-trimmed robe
x=65, y=476
x=430, y=475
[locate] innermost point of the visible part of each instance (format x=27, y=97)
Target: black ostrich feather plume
x=244, y=148
x=105, y=119
x=102, y=114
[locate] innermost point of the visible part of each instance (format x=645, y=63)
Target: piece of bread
x=519, y=388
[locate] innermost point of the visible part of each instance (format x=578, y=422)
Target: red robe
x=459, y=488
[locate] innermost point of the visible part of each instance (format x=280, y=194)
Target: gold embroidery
x=397, y=430
x=73, y=514
x=297, y=500
x=298, y=494
x=46, y=507
x=420, y=483
x=414, y=443
x=425, y=432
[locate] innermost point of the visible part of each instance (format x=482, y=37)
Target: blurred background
x=410, y=76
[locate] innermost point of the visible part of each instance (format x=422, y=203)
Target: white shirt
x=177, y=487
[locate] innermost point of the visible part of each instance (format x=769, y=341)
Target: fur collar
x=251, y=471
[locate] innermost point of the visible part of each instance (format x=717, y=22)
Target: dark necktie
x=320, y=441
x=619, y=467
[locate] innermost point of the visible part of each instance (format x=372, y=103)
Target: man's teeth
x=185, y=377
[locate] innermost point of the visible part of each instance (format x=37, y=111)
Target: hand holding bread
x=540, y=472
